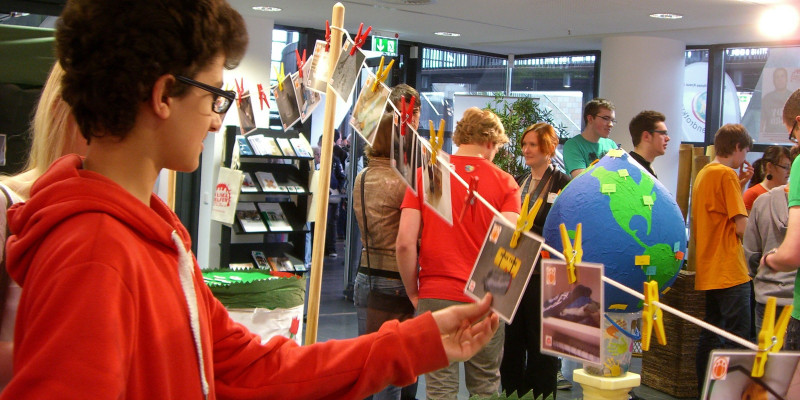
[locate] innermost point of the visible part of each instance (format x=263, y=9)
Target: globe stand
x=606, y=388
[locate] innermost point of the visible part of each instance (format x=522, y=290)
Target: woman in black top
x=524, y=368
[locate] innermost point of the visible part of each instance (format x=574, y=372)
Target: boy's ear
x=160, y=101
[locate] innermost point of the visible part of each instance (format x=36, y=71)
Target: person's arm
x=406, y=251
x=741, y=225
x=511, y=217
x=573, y=159
x=752, y=242
x=576, y=172
x=787, y=256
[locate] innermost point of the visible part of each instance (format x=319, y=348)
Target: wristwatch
x=764, y=258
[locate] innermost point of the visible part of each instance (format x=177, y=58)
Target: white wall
x=645, y=73
x=255, y=69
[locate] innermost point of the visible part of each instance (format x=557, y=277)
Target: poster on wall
x=693, y=115
x=777, y=84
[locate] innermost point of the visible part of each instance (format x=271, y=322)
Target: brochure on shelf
x=248, y=184
x=268, y=182
x=249, y=218
x=286, y=147
x=301, y=146
x=276, y=219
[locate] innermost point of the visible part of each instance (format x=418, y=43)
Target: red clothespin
x=406, y=110
x=300, y=62
x=327, y=35
x=239, y=91
x=262, y=97
x=470, y=200
x=360, y=38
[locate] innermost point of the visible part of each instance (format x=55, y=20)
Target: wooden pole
x=698, y=163
x=711, y=152
x=684, y=178
x=326, y=155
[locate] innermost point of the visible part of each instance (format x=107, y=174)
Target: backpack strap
x=5, y=279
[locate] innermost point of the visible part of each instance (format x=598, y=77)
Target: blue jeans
x=728, y=309
x=360, y=294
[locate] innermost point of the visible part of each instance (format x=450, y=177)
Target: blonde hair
x=479, y=127
x=53, y=129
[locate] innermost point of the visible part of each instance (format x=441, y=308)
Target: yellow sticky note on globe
x=642, y=260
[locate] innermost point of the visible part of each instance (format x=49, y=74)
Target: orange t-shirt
x=750, y=195
x=716, y=199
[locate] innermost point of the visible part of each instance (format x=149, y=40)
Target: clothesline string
x=634, y=293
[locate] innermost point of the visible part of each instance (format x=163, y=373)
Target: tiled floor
x=337, y=320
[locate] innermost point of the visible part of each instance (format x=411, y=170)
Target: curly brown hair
x=479, y=127
x=113, y=52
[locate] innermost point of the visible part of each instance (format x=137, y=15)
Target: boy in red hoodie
x=113, y=303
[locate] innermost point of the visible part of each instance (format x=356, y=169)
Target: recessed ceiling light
x=267, y=8
x=449, y=34
x=666, y=16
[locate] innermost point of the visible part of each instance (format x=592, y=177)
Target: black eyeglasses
x=661, y=132
x=222, y=98
x=786, y=167
x=607, y=118
x=791, y=132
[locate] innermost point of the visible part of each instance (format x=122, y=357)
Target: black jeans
x=524, y=368
x=728, y=309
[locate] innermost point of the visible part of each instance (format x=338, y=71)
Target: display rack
x=236, y=245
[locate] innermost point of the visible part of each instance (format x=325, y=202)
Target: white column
x=645, y=73
x=254, y=68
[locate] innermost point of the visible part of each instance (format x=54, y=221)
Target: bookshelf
x=273, y=208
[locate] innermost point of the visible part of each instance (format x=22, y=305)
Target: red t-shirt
x=750, y=195
x=448, y=253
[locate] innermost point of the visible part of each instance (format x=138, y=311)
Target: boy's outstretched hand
x=461, y=336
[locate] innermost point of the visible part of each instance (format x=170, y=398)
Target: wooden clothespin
x=281, y=76
x=327, y=35
x=574, y=255
x=437, y=140
x=770, y=338
x=406, y=110
x=239, y=91
x=652, y=315
x=469, y=201
x=300, y=62
x=262, y=97
x=382, y=74
x=360, y=38
x=525, y=220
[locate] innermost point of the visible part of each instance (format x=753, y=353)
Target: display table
x=267, y=303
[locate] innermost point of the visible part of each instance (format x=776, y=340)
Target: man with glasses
x=593, y=143
x=650, y=137
x=113, y=302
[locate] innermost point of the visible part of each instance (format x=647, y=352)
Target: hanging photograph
x=571, y=312
x=287, y=103
x=319, y=68
x=344, y=76
x=307, y=100
x=435, y=183
x=369, y=108
x=247, y=120
x=502, y=271
x=729, y=376
x=402, y=152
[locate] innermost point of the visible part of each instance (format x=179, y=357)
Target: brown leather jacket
x=383, y=192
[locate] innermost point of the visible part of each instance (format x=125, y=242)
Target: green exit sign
x=385, y=45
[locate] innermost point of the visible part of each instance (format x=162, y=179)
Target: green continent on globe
x=626, y=201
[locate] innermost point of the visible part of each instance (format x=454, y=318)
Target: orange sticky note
x=679, y=255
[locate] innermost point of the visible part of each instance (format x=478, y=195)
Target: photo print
x=502, y=271
x=247, y=120
x=287, y=103
x=344, y=76
x=402, y=154
x=572, y=312
x=307, y=100
x=319, y=68
x=435, y=183
x=369, y=109
x=729, y=376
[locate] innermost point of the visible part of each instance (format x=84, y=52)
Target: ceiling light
x=267, y=8
x=666, y=16
x=448, y=34
x=779, y=21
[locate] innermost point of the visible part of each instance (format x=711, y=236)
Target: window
x=694, y=95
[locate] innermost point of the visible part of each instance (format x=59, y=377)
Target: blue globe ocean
x=625, y=213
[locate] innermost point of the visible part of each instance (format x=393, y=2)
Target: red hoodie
x=105, y=312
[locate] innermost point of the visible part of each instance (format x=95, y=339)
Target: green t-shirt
x=579, y=152
x=794, y=200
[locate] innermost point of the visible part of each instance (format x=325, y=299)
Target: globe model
x=625, y=213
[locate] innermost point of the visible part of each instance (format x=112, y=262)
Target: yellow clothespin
x=574, y=255
x=525, y=220
x=437, y=139
x=652, y=315
x=382, y=74
x=281, y=76
x=770, y=339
